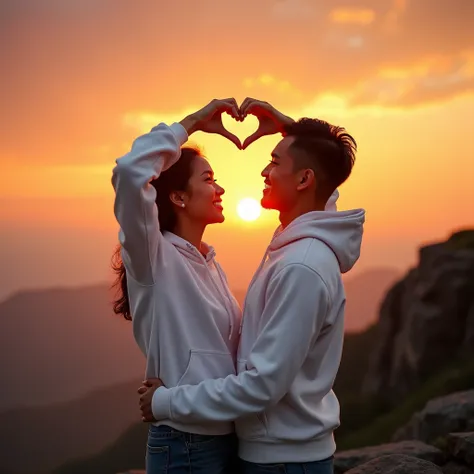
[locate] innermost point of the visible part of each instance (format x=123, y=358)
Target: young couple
x=269, y=373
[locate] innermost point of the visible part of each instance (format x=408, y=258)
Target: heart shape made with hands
x=210, y=119
x=246, y=127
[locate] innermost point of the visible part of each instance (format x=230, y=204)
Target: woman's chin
x=217, y=218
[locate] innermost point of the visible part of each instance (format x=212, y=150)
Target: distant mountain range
x=37, y=440
x=63, y=343
x=59, y=344
x=66, y=362
x=365, y=293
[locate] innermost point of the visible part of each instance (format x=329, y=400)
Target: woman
x=185, y=319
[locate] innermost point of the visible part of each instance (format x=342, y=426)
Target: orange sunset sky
x=82, y=78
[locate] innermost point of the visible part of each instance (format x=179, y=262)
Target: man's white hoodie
x=290, y=348
x=185, y=320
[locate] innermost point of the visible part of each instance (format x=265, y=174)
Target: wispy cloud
x=68, y=79
x=392, y=19
x=293, y=10
x=352, y=16
x=435, y=79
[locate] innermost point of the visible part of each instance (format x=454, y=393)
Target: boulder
x=426, y=320
x=346, y=460
x=454, y=468
x=442, y=415
x=461, y=447
x=396, y=464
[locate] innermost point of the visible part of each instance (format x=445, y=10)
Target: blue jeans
x=170, y=451
x=325, y=466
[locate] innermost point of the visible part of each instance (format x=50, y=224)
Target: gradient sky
x=82, y=78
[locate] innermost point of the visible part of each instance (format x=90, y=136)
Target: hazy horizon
x=93, y=268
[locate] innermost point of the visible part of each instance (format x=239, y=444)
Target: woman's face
x=203, y=195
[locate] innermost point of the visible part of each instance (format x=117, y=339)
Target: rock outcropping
x=452, y=452
x=453, y=413
x=346, y=460
x=461, y=446
x=397, y=464
x=426, y=320
x=410, y=457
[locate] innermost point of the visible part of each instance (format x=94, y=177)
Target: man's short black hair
x=327, y=149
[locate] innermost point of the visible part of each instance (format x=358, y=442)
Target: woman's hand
x=146, y=392
x=209, y=119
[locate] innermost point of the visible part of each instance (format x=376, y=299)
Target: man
x=292, y=330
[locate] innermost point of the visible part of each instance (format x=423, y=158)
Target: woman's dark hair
x=175, y=178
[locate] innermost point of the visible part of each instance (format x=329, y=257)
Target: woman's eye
x=273, y=162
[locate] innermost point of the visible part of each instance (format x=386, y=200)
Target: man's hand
x=209, y=119
x=146, y=392
x=270, y=120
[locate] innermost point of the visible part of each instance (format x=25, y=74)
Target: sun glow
x=249, y=209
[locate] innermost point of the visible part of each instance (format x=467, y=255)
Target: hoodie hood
x=188, y=250
x=340, y=230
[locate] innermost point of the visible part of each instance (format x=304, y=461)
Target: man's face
x=281, y=181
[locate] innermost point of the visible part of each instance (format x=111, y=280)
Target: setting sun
x=248, y=209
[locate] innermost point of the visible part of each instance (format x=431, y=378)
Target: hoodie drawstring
x=224, y=285
x=230, y=313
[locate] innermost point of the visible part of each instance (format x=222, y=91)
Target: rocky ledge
x=450, y=453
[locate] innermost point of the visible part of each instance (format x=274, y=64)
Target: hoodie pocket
x=251, y=426
x=206, y=364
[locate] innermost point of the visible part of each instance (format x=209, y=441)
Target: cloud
x=266, y=83
x=276, y=89
x=293, y=10
x=438, y=78
x=69, y=78
x=352, y=16
x=392, y=19
x=355, y=41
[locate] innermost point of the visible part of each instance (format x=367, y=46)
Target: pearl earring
x=182, y=204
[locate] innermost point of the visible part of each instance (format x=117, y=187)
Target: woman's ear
x=177, y=198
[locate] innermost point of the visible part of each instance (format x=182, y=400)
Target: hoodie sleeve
x=295, y=310
x=134, y=207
